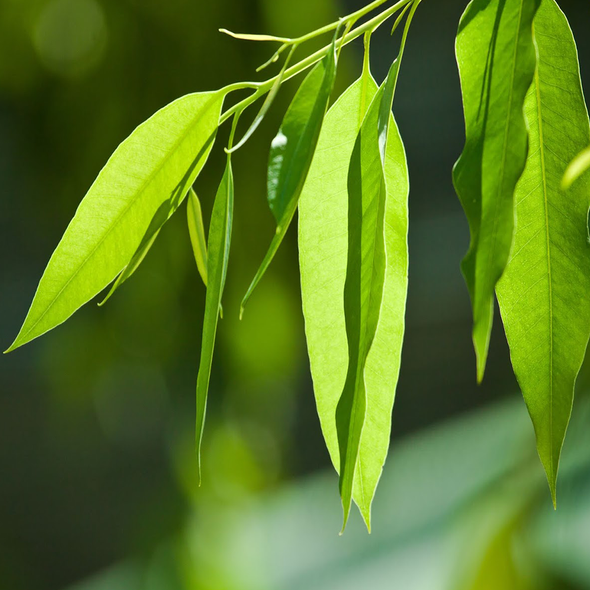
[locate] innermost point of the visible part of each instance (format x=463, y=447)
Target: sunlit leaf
x=365, y=281
x=544, y=292
x=196, y=231
x=323, y=246
x=496, y=59
x=141, y=185
x=579, y=165
x=217, y=260
x=292, y=151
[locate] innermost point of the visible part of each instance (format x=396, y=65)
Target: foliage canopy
x=522, y=180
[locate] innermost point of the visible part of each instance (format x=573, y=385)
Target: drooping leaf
x=577, y=167
x=196, y=231
x=217, y=259
x=544, y=293
x=323, y=246
x=496, y=59
x=292, y=152
x=135, y=193
x=365, y=276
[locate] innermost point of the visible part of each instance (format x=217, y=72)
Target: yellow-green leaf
x=139, y=188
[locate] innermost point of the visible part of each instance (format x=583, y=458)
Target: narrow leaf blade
x=141, y=185
x=543, y=294
x=496, y=59
x=217, y=262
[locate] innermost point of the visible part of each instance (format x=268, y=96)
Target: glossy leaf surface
x=544, y=294
x=217, y=261
x=136, y=192
x=292, y=151
x=496, y=59
x=196, y=230
x=323, y=247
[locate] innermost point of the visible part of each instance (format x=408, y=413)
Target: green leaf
x=323, y=245
x=365, y=280
x=543, y=294
x=496, y=59
x=139, y=188
x=292, y=152
x=217, y=260
x=579, y=165
x=196, y=231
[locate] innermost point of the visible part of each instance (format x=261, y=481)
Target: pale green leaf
x=219, y=243
x=365, y=278
x=141, y=185
x=196, y=231
x=323, y=246
x=292, y=152
x=544, y=292
x=577, y=167
x=496, y=59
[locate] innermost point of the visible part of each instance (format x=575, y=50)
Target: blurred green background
x=97, y=472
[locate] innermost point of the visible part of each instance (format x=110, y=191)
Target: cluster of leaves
x=344, y=168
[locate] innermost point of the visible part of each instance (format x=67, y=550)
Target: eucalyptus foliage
x=522, y=179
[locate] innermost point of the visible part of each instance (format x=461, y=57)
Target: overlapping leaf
x=292, y=151
x=217, y=261
x=544, y=293
x=139, y=188
x=496, y=59
x=323, y=247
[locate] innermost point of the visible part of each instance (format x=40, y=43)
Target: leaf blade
x=496, y=60
x=217, y=261
x=544, y=290
x=139, y=187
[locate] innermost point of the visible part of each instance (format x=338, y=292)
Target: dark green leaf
x=496, y=59
x=141, y=185
x=292, y=151
x=544, y=293
x=217, y=260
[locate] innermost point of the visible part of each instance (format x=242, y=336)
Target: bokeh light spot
x=70, y=36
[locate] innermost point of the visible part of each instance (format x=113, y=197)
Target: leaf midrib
x=549, y=276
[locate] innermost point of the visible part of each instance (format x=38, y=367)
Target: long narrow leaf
x=323, y=245
x=217, y=260
x=292, y=152
x=544, y=292
x=496, y=59
x=141, y=185
x=365, y=278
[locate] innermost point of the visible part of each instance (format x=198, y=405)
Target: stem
x=263, y=87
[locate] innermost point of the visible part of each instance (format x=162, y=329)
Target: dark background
x=96, y=418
